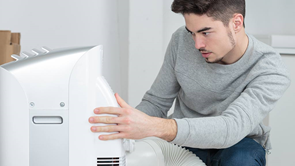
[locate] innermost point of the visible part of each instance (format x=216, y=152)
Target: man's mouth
x=206, y=54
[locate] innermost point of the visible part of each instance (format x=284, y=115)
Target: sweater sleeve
x=241, y=117
x=159, y=98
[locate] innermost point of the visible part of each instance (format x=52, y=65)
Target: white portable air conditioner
x=45, y=102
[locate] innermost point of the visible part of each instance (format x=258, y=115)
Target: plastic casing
x=45, y=103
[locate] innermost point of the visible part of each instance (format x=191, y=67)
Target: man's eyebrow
x=204, y=29
x=188, y=30
x=201, y=30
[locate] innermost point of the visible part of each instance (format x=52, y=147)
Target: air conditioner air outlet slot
x=111, y=161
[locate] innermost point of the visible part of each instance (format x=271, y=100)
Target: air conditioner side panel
x=84, y=96
x=14, y=122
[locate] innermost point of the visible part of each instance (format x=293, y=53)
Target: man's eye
x=206, y=33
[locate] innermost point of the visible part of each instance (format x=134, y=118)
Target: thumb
x=121, y=102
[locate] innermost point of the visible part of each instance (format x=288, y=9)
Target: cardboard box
x=9, y=44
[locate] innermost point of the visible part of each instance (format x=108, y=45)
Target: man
x=225, y=83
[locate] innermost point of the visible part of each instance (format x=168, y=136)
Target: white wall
x=266, y=17
x=151, y=26
x=123, y=27
x=146, y=46
x=58, y=24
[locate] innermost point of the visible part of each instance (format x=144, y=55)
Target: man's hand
x=131, y=123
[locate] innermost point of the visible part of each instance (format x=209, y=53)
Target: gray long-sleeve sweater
x=217, y=105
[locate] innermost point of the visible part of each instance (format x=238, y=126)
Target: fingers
x=111, y=136
x=108, y=110
x=109, y=120
x=103, y=119
x=113, y=110
x=110, y=128
x=121, y=102
x=123, y=121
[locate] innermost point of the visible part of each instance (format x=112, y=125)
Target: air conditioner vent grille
x=111, y=161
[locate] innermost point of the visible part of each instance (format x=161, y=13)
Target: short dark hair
x=222, y=10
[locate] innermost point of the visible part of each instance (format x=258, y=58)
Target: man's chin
x=209, y=60
x=214, y=61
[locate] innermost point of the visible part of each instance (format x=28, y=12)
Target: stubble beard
x=233, y=44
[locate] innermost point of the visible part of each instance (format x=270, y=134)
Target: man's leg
x=247, y=152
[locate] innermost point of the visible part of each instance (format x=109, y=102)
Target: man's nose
x=199, y=43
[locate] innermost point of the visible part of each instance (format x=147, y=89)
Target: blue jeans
x=247, y=152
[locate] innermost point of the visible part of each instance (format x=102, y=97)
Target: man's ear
x=237, y=22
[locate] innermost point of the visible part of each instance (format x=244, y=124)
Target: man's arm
x=241, y=118
x=132, y=123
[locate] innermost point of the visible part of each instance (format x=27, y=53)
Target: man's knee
x=246, y=153
x=244, y=158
